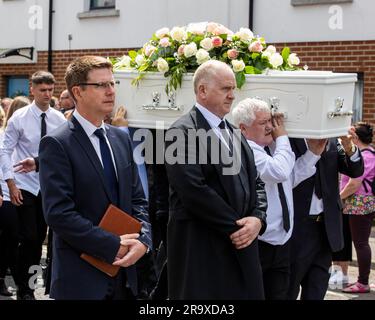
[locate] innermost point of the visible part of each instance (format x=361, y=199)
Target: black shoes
x=4, y=290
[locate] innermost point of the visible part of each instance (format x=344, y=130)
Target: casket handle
x=155, y=105
x=339, y=104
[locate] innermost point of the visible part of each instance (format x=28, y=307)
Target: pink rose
x=255, y=46
x=211, y=27
x=233, y=54
x=221, y=30
x=164, y=42
x=217, y=42
x=180, y=50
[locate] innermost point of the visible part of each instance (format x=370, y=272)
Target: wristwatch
x=352, y=150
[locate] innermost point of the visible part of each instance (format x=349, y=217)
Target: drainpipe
x=50, y=25
x=251, y=15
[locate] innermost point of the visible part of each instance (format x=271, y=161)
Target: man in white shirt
x=276, y=165
x=22, y=136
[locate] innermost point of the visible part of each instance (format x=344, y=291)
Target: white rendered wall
x=278, y=21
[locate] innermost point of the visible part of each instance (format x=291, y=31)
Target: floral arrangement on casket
x=182, y=49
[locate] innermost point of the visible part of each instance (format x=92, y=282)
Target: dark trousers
x=32, y=232
x=311, y=259
x=275, y=261
x=360, y=227
x=8, y=239
x=118, y=290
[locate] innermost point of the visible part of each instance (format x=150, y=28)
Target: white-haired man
x=276, y=165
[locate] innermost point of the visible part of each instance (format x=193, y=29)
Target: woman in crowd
x=8, y=216
x=359, y=204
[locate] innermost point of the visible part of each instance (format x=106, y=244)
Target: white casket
x=316, y=104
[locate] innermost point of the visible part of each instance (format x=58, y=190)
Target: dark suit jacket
x=332, y=161
x=75, y=198
x=204, y=207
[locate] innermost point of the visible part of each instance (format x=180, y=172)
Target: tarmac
x=332, y=293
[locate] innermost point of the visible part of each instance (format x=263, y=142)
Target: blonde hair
x=18, y=103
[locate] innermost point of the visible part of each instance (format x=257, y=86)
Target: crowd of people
x=260, y=218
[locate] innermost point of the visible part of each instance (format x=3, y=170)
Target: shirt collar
x=36, y=110
x=212, y=118
x=87, y=126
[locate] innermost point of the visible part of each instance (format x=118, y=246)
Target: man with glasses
x=84, y=167
x=21, y=140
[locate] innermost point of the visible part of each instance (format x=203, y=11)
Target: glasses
x=100, y=85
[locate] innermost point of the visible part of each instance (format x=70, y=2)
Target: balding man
x=66, y=102
x=215, y=218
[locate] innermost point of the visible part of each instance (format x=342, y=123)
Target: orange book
x=117, y=222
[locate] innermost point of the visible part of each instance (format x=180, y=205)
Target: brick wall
x=339, y=56
x=60, y=61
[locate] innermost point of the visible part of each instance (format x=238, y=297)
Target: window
x=17, y=86
x=98, y=9
x=102, y=4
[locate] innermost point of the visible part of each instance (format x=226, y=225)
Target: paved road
x=331, y=294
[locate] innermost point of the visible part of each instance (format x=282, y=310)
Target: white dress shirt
x=214, y=121
x=90, y=129
x=4, y=186
x=281, y=167
x=21, y=140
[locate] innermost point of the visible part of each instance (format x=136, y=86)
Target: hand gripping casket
x=316, y=104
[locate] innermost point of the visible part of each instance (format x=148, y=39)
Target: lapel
x=119, y=154
x=85, y=143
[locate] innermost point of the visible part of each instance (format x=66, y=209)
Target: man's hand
x=135, y=250
x=1, y=201
x=278, y=126
x=25, y=166
x=250, y=228
x=347, y=141
x=317, y=146
x=119, y=119
x=15, y=193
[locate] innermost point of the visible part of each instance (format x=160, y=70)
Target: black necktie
x=109, y=169
x=43, y=125
x=282, y=197
x=318, y=182
x=226, y=136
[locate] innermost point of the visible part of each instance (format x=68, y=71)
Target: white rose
x=149, y=50
x=202, y=56
x=271, y=49
x=162, y=32
x=245, y=34
x=178, y=34
x=197, y=28
x=190, y=50
x=266, y=54
x=206, y=44
x=276, y=60
x=162, y=65
x=124, y=62
x=293, y=60
x=238, y=65
x=139, y=59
